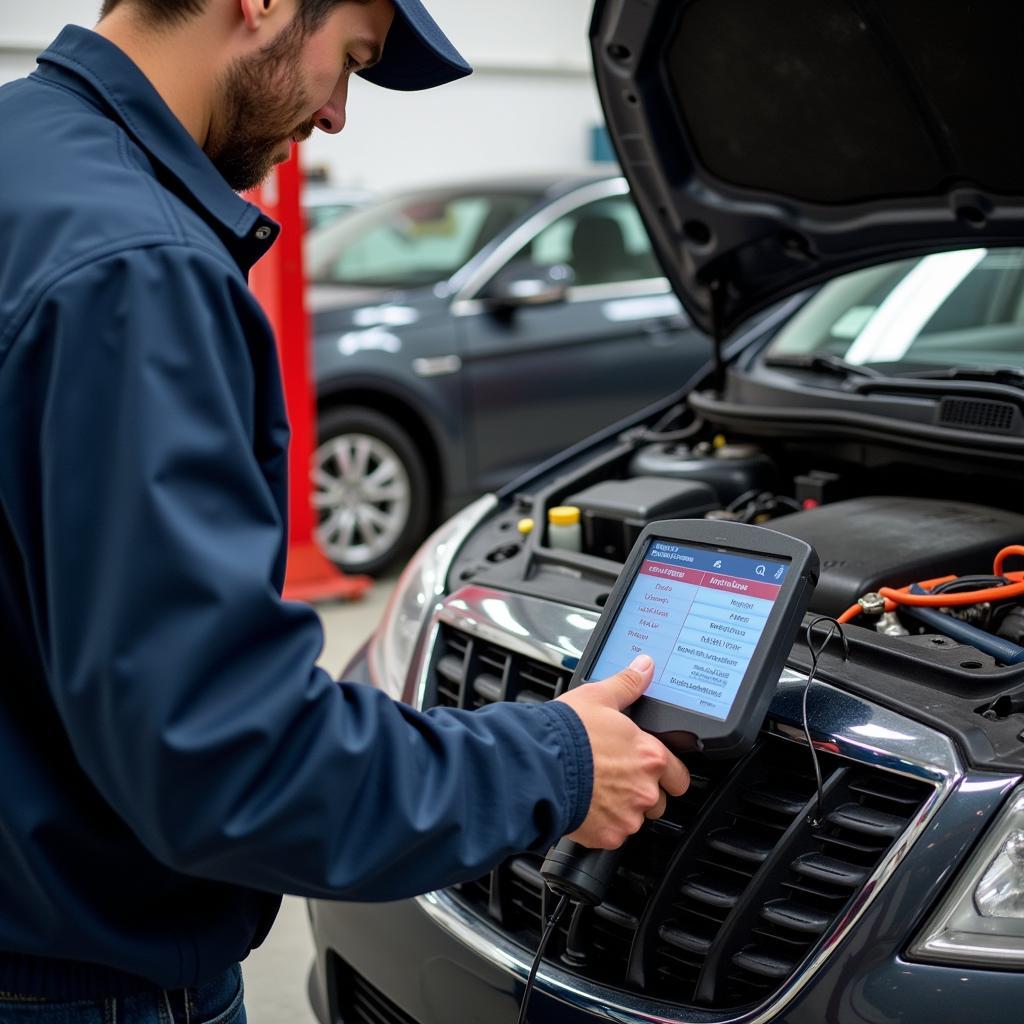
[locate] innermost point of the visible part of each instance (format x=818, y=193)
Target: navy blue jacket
x=171, y=757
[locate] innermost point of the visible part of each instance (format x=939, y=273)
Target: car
x=831, y=194
x=323, y=203
x=440, y=314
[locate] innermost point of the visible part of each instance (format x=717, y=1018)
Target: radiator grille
x=473, y=673
x=359, y=1002
x=717, y=904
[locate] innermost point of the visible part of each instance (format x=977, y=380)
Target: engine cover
x=867, y=543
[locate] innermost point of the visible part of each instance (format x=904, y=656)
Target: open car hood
x=772, y=144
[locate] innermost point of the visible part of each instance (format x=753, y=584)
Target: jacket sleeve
x=187, y=686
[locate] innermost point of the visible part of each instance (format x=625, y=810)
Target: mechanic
x=175, y=759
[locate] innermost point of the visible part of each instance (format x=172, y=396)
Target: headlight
x=415, y=596
x=981, y=920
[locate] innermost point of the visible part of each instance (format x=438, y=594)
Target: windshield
x=411, y=240
x=962, y=308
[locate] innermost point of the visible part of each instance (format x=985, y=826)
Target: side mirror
x=523, y=284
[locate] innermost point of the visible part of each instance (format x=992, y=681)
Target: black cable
x=816, y=652
x=751, y=504
x=744, y=499
x=556, y=916
x=673, y=414
x=674, y=436
x=657, y=434
x=967, y=583
x=792, y=503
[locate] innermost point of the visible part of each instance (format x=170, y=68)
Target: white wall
x=35, y=24
x=529, y=106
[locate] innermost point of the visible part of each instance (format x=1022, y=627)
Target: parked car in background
x=833, y=194
x=323, y=203
x=463, y=334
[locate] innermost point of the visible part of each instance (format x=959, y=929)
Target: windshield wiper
x=1009, y=375
x=823, y=361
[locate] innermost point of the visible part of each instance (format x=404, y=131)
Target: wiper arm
x=823, y=361
x=1009, y=375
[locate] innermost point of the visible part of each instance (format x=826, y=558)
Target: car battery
x=614, y=512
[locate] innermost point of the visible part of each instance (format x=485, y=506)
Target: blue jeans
x=217, y=1002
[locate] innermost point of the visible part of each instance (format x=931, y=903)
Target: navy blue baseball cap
x=417, y=54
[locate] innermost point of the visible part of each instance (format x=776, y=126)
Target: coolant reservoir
x=564, y=529
x=731, y=469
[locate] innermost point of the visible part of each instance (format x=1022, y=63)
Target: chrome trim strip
x=587, y=293
x=624, y=290
x=521, y=623
x=857, y=729
x=468, y=281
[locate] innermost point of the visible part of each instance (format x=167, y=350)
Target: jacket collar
x=97, y=69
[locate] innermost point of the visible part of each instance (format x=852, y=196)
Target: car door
x=540, y=377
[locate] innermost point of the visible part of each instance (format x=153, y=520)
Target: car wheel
x=370, y=490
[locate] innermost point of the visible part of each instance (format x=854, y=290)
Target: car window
x=945, y=309
x=410, y=240
x=324, y=213
x=603, y=242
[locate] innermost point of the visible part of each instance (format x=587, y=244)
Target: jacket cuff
x=579, y=762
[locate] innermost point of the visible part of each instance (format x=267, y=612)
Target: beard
x=263, y=102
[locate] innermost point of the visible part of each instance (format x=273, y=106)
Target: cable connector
x=889, y=625
x=872, y=604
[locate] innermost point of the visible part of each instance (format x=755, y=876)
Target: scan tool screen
x=699, y=613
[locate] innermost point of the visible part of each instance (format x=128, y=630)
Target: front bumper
x=432, y=961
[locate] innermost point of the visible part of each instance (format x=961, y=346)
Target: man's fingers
x=626, y=687
x=634, y=774
x=655, y=812
x=675, y=777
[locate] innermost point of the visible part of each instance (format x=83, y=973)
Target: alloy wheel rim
x=362, y=496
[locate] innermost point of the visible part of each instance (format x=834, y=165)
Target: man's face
x=294, y=84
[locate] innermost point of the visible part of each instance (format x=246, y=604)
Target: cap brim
x=417, y=54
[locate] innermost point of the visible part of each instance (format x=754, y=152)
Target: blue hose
x=1003, y=651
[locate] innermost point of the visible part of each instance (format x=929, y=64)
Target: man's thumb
x=629, y=684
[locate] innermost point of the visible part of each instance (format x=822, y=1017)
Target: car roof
x=546, y=186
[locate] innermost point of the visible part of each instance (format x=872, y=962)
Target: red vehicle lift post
x=278, y=281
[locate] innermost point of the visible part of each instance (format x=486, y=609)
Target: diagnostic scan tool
x=716, y=605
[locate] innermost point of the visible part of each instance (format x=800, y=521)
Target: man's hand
x=633, y=771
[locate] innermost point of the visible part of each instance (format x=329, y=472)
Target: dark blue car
x=465, y=333
x=832, y=191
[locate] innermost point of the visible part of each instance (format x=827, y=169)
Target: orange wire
x=850, y=614
x=901, y=595
x=1013, y=549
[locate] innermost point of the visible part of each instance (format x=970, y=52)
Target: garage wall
x=530, y=106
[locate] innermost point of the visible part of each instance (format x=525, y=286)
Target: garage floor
x=275, y=974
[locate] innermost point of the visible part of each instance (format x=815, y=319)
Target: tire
x=371, y=495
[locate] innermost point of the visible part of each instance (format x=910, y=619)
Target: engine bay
x=920, y=557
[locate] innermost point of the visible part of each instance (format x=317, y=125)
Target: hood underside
x=771, y=146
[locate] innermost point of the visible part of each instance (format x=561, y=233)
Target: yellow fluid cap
x=719, y=441
x=525, y=526
x=564, y=515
